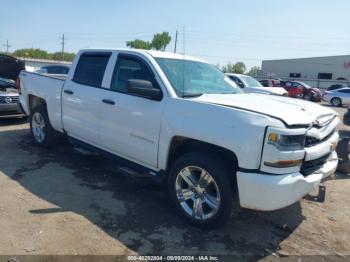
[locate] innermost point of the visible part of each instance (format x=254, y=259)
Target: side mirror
x=143, y=88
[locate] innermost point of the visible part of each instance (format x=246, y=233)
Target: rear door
x=130, y=125
x=82, y=95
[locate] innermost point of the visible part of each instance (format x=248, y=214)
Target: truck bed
x=46, y=87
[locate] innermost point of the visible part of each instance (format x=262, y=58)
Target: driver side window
x=129, y=68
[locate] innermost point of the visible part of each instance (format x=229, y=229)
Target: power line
x=267, y=35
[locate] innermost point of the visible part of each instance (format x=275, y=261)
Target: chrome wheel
x=38, y=127
x=197, y=192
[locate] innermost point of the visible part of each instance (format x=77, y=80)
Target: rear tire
x=336, y=101
x=42, y=132
x=207, y=195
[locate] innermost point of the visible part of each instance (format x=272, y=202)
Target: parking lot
x=60, y=201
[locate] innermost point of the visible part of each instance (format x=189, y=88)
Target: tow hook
x=321, y=196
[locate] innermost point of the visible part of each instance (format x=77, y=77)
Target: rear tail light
x=18, y=85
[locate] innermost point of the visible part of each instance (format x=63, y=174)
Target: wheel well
x=35, y=101
x=181, y=145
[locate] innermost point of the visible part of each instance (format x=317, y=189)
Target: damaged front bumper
x=270, y=192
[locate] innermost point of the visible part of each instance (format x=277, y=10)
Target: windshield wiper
x=187, y=95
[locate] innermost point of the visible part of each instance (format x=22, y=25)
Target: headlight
x=286, y=142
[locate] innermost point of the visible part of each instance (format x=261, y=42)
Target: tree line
x=42, y=54
x=240, y=68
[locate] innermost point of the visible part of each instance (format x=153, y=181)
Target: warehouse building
x=320, y=71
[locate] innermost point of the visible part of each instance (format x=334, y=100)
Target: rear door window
x=91, y=68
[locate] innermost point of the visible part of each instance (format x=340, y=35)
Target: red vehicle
x=301, y=90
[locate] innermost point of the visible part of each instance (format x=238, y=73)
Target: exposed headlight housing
x=283, y=150
x=286, y=142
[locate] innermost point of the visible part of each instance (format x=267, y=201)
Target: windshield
x=196, y=78
x=251, y=82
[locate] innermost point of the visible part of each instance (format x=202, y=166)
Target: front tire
x=42, y=132
x=201, y=189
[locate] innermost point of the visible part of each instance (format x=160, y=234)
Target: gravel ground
x=60, y=201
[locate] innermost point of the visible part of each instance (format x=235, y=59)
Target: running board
x=123, y=165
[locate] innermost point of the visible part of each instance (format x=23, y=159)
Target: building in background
x=316, y=71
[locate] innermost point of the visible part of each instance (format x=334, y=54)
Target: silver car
x=337, y=97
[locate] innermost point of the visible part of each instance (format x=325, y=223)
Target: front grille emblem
x=8, y=100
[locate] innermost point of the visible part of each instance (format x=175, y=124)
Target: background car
x=10, y=67
x=53, y=70
x=343, y=147
x=270, y=82
x=251, y=85
x=9, y=99
x=337, y=97
x=294, y=89
x=346, y=118
x=336, y=86
x=302, y=90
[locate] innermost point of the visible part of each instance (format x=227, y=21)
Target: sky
x=219, y=31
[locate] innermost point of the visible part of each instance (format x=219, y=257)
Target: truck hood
x=267, y=90
x=291, y=111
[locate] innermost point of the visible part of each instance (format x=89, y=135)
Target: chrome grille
x=9, y=99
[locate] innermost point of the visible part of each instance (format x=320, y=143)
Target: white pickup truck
x=181, y=119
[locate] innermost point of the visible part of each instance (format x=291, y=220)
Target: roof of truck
x=155, y=54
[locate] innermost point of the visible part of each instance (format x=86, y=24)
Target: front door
x=130, y=125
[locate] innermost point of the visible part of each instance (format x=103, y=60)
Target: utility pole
x=175, y=42
x=63, y=43
x=7, y=46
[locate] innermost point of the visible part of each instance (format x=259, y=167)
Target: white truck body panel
x=142, y=130
x=47, y=88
